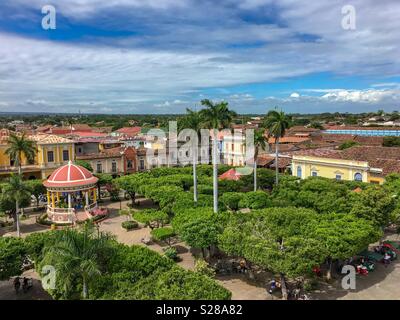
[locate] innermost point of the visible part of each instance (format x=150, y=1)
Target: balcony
x=25, y=168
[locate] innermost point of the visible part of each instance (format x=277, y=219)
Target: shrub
x=204, y=268
x=175, y=284
x=255, y=200
x=231, y=200
x=204, y=189
x=35, y=242
x=310, y=285
x=129, y=225
x=171, y=253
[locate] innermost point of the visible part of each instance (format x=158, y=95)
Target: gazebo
x=71, y=189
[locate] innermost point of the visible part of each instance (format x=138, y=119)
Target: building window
x=114, y=167
x=358, y=177
x=141, y=164
x=50, y=156
x=314, y=174
x=65, y=155
x=129, y=164
x=338, y=177
x=99, y=167
x=299, y=172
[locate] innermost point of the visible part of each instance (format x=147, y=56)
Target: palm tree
x=260, y=142
x=18, y=192
x=277, y=122
x=77, y=255
x=18, y=146
x=192, y=120
x=216, y=116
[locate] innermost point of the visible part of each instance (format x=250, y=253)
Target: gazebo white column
x=69, y=201
x=87, y=197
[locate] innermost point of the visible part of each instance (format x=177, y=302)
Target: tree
x=192, y=120
x=36, y=188
x=201, y=233
x=76, y=255
x=12, y=253
x=344, y=235
x=391, y=141
x=215, y=117
x=316, y=125
x=348, y=144
x=18, y=193
x=276, y=239
x=132, y=184
x=151, y=217
x=277, y=122
x=104, y=180
x=163, y=234
x=374, y=204
x=84, y=164
x=19, y=146
x=260, y=142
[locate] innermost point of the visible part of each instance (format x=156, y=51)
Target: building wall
x=42, y=156
x=234, y=150
x=106, y=165
x=331, y=168
x=86, y=148
x=43, y=167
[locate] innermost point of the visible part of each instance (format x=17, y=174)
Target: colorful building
x=51, y=152
x=361, y=163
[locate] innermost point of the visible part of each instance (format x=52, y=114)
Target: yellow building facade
x=339, y=169
x=51, y=152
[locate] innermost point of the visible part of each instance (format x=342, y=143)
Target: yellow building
x=364, y=163
x=52, y=152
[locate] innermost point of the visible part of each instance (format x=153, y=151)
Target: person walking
x=17, y=284
x=272, y=286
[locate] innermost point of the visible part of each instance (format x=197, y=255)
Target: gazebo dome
x=70, y=175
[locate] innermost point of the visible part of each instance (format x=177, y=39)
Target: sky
x=163, y=56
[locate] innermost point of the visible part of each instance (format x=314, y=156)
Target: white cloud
x=295, y=95
x=181, y=47
x=371, y=96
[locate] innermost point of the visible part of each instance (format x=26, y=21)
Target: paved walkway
x=7, y=291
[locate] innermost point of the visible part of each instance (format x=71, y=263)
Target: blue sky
x=162, y=56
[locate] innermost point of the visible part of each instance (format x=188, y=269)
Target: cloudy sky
x=161, y=56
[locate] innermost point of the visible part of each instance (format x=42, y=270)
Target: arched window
x=358, y=177
x=299, y=172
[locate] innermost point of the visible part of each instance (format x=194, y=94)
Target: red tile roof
x=231, y=174
x=130, y=131
x=289, y=139
x=385, y=158
x=282, y=163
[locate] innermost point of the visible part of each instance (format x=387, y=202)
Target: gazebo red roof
x=70, y=175
x=231, y=174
